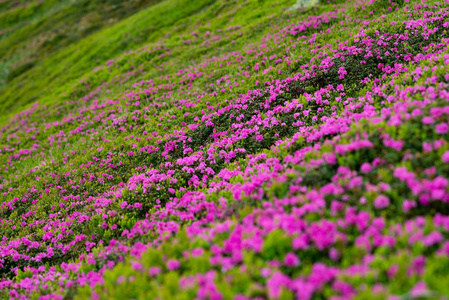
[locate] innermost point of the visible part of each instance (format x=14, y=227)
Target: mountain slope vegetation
x=222, y=149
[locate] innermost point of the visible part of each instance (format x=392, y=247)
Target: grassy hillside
x=33, y=30
x=224, y=149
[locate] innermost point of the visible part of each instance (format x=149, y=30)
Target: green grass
x=38, y=29
x=50, y=76
x=62, y=75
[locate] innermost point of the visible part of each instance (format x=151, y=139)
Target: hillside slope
x=231, y=150
x=33, y=30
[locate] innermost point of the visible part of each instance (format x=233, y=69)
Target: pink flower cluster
x=304, y=181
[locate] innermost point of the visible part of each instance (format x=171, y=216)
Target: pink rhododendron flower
x=381, y=202
x=173, y=264
x=291, y=260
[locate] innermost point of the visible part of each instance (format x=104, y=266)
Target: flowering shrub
x=305, y=155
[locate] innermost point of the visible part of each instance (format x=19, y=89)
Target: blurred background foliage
x=32, y=30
